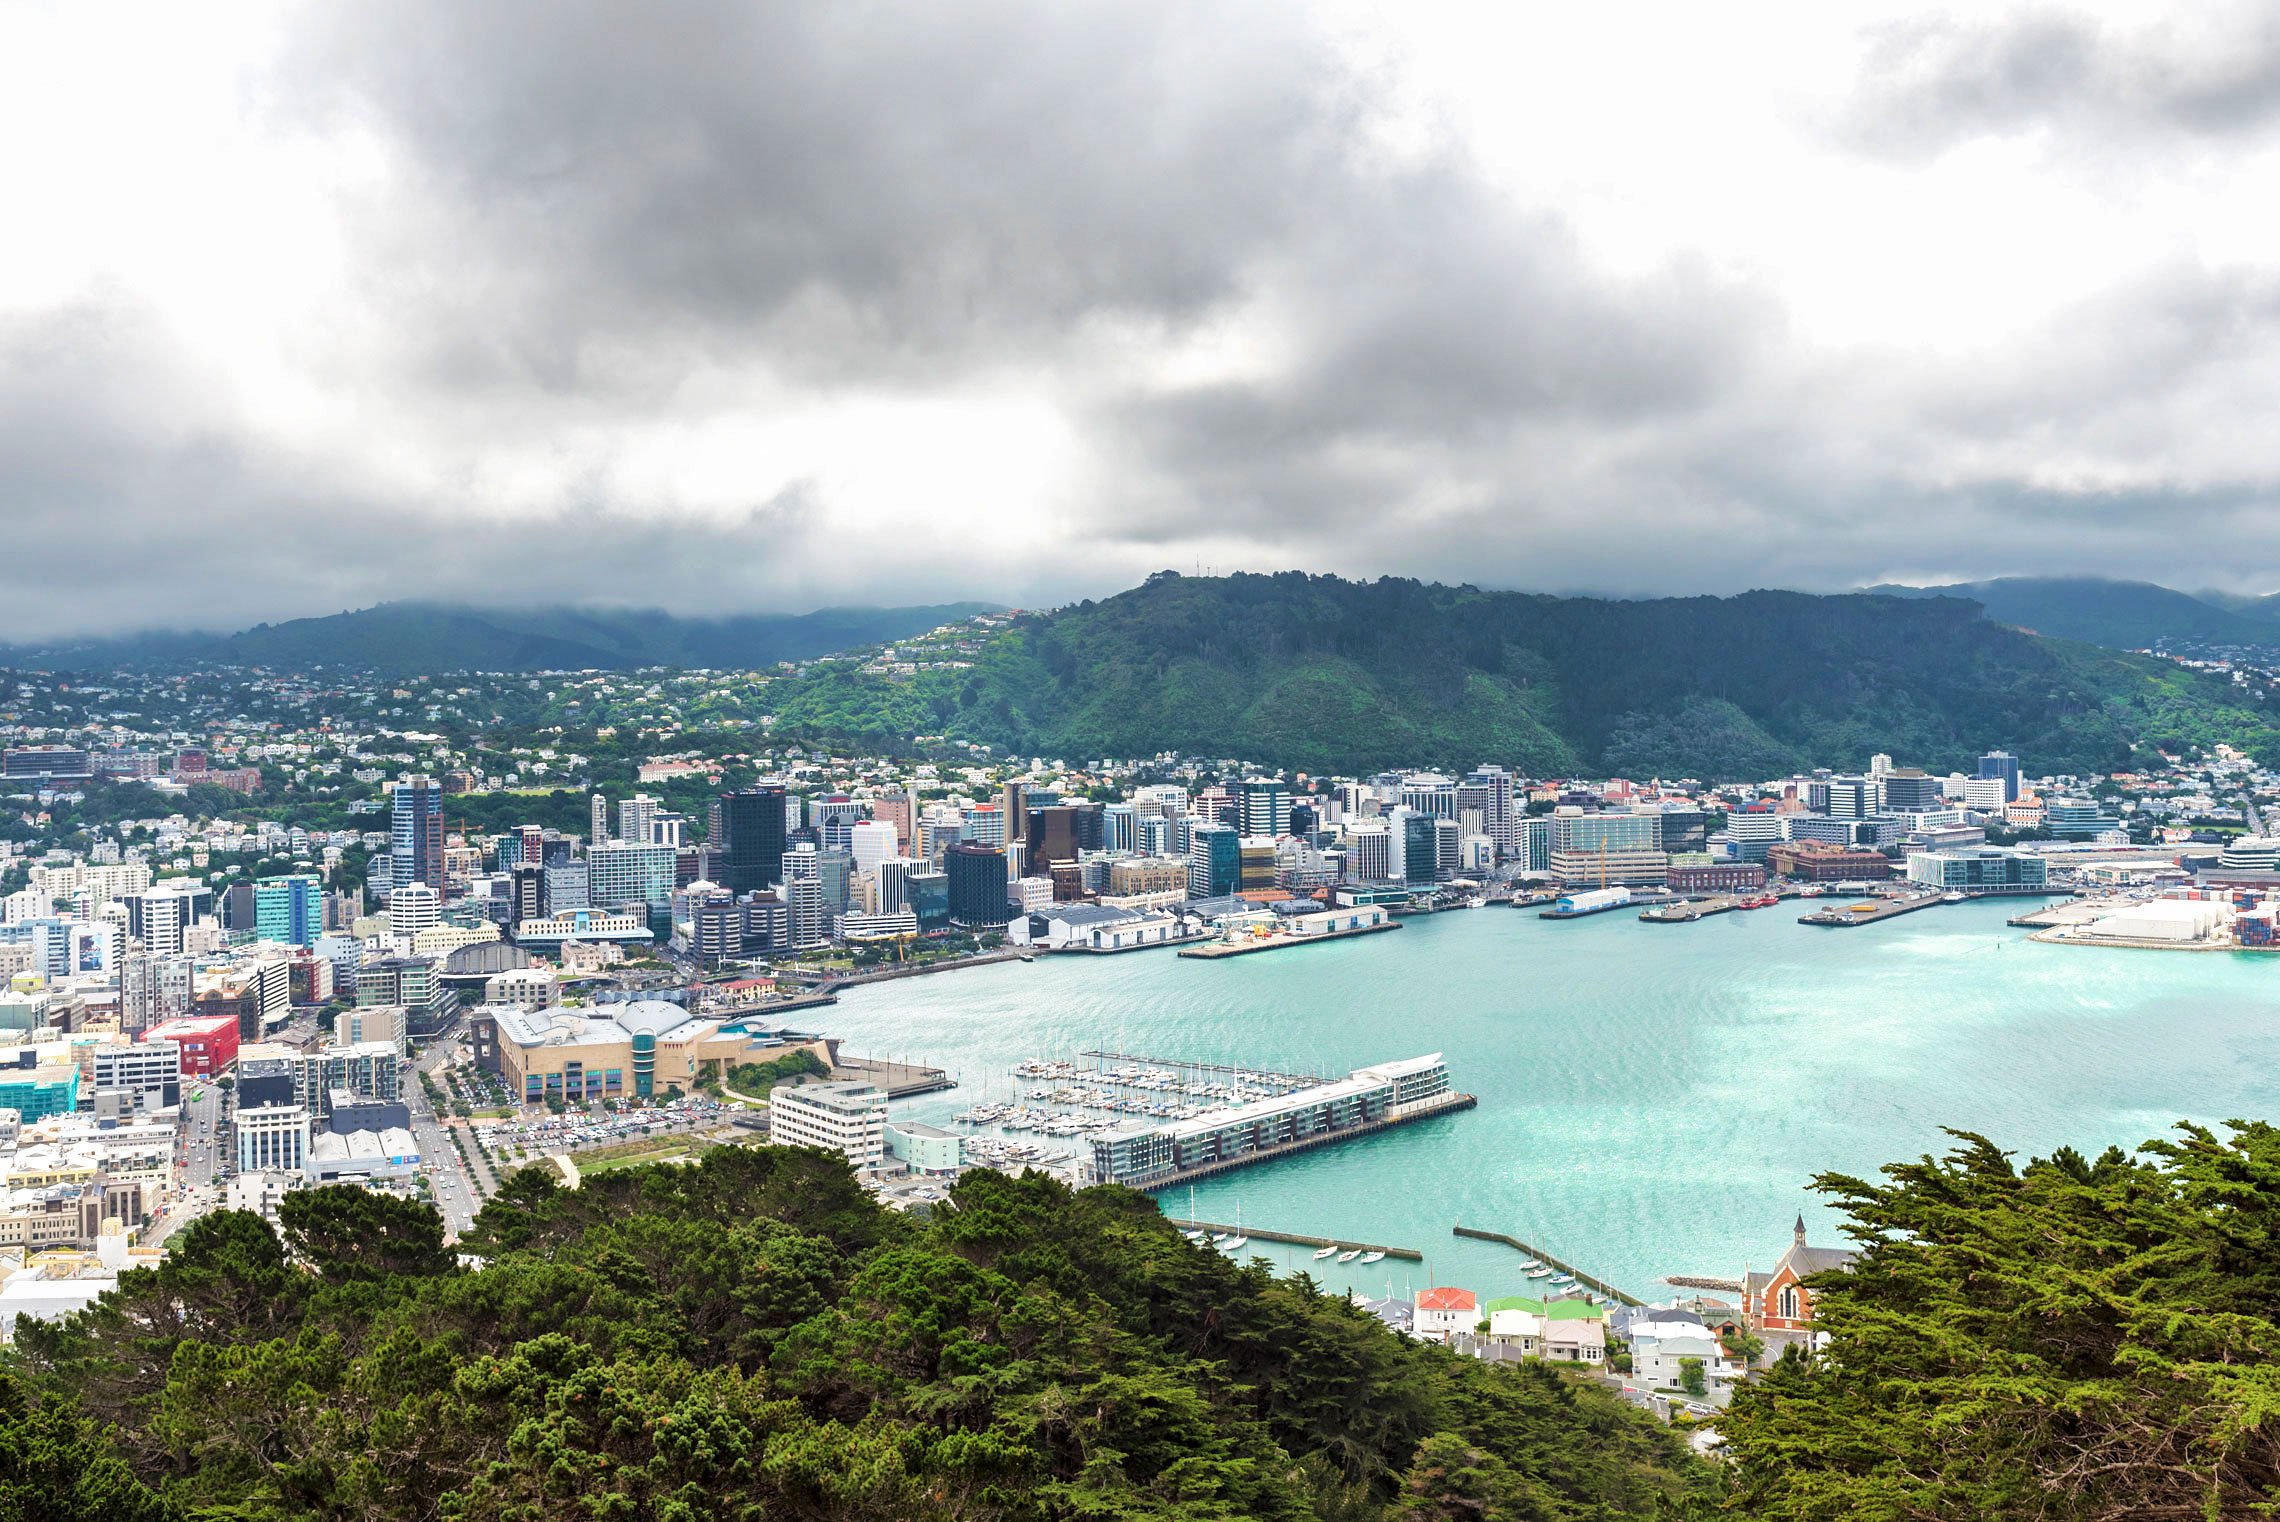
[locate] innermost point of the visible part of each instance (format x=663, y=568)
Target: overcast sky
x=726, y=307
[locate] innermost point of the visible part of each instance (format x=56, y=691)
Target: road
x=455, y=1194
x=203, y=1143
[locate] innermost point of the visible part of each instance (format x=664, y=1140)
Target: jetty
x=900, y=1080
x=1447, y=1105
x=1237, y=946
x=1586, y=1280
x=1409, y=1254
x=1868, y=911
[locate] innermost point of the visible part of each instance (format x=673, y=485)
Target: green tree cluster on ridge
x=752, y=1337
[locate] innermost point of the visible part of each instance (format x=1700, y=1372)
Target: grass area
x=633, y=1155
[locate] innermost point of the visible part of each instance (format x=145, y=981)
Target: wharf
x=901, y=1080
x=1448, y=1105
x=1216, y=949
x=1686, y=913
x=2075, y=911
x=1845, y=916
x=1409, y=1254
x=1582, y=1278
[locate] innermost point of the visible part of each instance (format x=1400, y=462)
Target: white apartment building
x=847, y=1118
x=412, y=908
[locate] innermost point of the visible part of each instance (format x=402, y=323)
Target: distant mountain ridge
x=1332, y=676
x=2121, y=615
x=418, y=637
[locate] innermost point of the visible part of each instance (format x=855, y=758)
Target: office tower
x=2001, y=763
x=835, y=870
x=1013, y=802
x=598, y=828
x=412, y=908
x=1215, y=861
x=1879, y=767
x=1448, y=843
x=1265, y=805
x=1752, y=831
x=751, y=837
x=1535, y=853
x=415, y=834
x=977, y=884
x=1490, y=790
x=1850, y=798
x=872, y=841
x=1369, y=850
x=1120, y=828
x=1429, y=793
x=984, y=825
x=567, y=887
x=157, y=919
x=527, y=895
x=835, y=819
x=893, y=877
x=927, y=895
x=1053, y=834
x=625, y=872
x=289, y=910
x=1685, y=829
x=1152, y=836
x=1909, y=790
x=899, y=813
x=634, y=815
x=1597, y=849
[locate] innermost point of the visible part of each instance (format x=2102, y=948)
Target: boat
x=1323, y=1252
x=1349, y=1255
x=1223, y=1238
x=1373, y=1257
x=1539, y=1272
x=1194, y=1236
x=1563, y=1281
x=1528, y=1264
x=1238, y=1241
x=1951, y=897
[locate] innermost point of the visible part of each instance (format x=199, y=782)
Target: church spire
x=1800, y=1228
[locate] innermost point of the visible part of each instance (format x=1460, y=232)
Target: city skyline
x=772, y=310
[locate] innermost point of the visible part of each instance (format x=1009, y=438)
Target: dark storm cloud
x=2200, y=72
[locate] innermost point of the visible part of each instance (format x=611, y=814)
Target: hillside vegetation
x=750, y=1338
x=1326, y=675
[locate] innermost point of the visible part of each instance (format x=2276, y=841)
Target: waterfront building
x=1984, y=869
x=1489, y=789
x=1752, y=831
x=1444, y=1312
x=847, y=1118
x=1603, y=850
x=1816, y=861
x=927, y=895
x=1136, y=876
x=1144, y=1153
x=1717, y=877
x=923, y=1148
x=1910, y=790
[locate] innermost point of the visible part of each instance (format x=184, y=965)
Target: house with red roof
x=1441, y=1313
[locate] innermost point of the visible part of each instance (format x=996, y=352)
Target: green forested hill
x=750, y=1339
x=1326, y=675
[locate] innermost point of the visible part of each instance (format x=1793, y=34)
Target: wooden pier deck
x=1449, y=1104
x=1582, y=1278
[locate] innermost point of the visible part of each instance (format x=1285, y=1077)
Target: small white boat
x=1223, y=1238
x=1323, y=1252
x=1530, y=1264
x=1195, y=1236
x=1373, y=1257
x=1539, y=1272
x=1235, y=1244
x=1563, y=1280
x=1349, y=1255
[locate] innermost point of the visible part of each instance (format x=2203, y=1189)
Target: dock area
x=1868, y=911
x=1244, y=947
x=1445, y=1106
x=2075, y=911
x=1582, y=1278
x=1408, y=1254
x=901, y=1080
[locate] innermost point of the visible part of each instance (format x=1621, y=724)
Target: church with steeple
x=1777, y=1306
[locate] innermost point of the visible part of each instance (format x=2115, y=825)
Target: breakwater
x=1588, y=1281
x=1297, y=1239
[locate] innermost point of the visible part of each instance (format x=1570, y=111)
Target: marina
x=1542, y=1266
x=1364, y=1253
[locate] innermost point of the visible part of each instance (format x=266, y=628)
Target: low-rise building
x=847, y=1118
x=1982, y=869
x=1444, y=1312
x=923, y=1148
x=1818, y=861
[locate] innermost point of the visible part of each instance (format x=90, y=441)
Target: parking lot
x=573, y=1132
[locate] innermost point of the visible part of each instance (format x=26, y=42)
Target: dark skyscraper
x=977, y=884
x=2000, y=763
x=415, y=834
x=752, y=838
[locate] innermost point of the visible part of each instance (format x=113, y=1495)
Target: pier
x=900, y=1080
x=1448, y=1105
x=1204, y=1073
x=1582, y=1278
x=1276, y=942
x=1407, y=1254
x=1847, y=915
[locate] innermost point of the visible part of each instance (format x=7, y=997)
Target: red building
x=209, y=1042
x=1817, y=861
x=1718, y=877
x=1778, y=1306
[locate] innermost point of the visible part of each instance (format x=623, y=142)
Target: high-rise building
x=1120, y=828
x=598, y=826
x=1369, y=850
x=528, y=900
x=634, y=817
x=415, y=834
x=2001, y=763
x=977, y=884
x=984, y=824
x=1265, y=805
x=1908, y=791
x=1606, y=849
x=412, y=908
x=751, y=836
x=1053, y=833
x=290, y=910
x=835, y=818
x=1850, y=798
x=625, y=872
x=1215, y=860
x=1490, y=790
x=872, y=841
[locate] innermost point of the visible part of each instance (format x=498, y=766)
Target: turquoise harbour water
x=1653, y=1098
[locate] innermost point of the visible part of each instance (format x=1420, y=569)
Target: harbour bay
x=1653, y=1099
